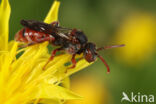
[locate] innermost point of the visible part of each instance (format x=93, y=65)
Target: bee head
x=90, y=52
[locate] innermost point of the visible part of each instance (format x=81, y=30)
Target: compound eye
x=89, y=56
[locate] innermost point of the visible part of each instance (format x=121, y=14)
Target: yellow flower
x=22, y=79
x=93, y=90
x=138, y=33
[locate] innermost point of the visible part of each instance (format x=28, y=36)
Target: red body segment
x=29, y=36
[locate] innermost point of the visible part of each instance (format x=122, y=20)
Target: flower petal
x=50, y=101
x=81, y=64
x=4, y=23
x=50, y=91
x=53, y=13
x=66, y=82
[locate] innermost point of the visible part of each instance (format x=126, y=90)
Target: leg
x=73, y=60
x=52, y=56
x=73, y=32
x=55, y=23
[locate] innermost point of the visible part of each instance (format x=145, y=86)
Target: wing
x=64, y=32
x=38, y=26
x=47, y=28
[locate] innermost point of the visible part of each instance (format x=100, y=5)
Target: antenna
x=107, y=47
x=102, y=59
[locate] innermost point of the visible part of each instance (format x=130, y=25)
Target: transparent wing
x=47, y=28
x=38, y=26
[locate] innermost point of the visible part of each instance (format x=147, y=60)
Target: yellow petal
x=66, y=83
x=4, y=24
x=25, y=72
x=50, y=91
x=53, y=13
x=81, y=64
x=61, y=73
x=50, y=101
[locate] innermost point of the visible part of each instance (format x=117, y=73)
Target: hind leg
x=52, y=56
x=73, y=60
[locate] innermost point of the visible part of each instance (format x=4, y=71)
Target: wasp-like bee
x=72, y=41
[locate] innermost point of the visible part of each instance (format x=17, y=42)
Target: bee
x=72, y=41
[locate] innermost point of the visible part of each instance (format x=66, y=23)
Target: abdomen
x=27, y=35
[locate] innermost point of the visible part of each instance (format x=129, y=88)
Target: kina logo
x=125, y=97
x=137, y=97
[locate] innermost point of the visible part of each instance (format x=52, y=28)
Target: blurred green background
x=105, y=22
